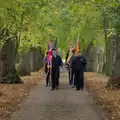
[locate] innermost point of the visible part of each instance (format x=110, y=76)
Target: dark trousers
x=73, y=81
x=67, y=66
x=46, y=69
x=55, y=80
x=48, y=77
x=79, y=76
x=58, y=76
x=69, y=74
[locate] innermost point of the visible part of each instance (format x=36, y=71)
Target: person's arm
x=73, y=62
x=60, y=61
x=84, y=61
x=66, y=57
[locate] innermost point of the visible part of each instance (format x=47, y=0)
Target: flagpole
x=50, y=77
x=78, y=37
x=49, y=61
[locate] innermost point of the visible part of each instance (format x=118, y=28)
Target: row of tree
x=29, y=24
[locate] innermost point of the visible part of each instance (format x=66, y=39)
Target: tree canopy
x=35, y=22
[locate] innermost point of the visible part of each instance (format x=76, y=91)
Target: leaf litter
x=11, y=95
x=109, y=99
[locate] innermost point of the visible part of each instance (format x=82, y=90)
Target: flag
x=78, y=45
x=55, y=44
x=49, y=57
x=70, y=53
x=71, y=46
x=50, y=45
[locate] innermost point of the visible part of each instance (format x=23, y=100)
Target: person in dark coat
x=79, y=63
x=60, y=65
x=72, y=77
x=56, y=63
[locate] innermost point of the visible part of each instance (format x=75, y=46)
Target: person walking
x=59, y=59
x=47, y=71
x=79, y=62
x=55, y=70
x=56, y=63
x=72, y=77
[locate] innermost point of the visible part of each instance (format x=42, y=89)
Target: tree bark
x=24, y=65
x=36, y=61
x=116, y=71
x=8, y=57
x=109, y=57
x=114, y=82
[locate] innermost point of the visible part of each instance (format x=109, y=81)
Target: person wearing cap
x=60, y=65
x=56, y=63
x=79, y=62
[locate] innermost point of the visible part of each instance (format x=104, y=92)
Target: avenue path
x=63, y=104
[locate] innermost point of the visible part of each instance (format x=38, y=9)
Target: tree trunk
x=116, y=71
x=36, y=60
x=114, y=81
x=8, y=57
x=100, y=60
x=109, y=58
x=108, y=51
x=0, y=66
x=88, y=55
x=91, y=55
x=24, y=65
x=95, y=58
x=31, y=61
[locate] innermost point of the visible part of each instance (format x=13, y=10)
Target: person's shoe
x=73, y=86
x=56, y=88
x=53, y=89
x=82, y=88
x=46, y=85
x=77, y=89
x=70, y=83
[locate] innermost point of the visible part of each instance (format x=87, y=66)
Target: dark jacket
x=56, y=62
x=79, y=63
x=67, y=56
x=71, y=60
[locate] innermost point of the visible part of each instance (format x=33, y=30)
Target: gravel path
x=63, y=104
